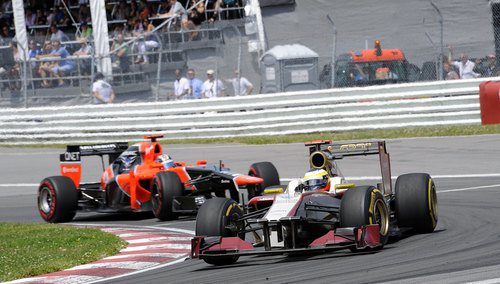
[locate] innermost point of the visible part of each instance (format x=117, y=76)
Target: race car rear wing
x=70, y=161
x=323, y=151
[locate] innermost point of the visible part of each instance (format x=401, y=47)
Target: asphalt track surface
x=463, y=248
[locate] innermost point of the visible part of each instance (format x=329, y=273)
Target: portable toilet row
x=286, y=68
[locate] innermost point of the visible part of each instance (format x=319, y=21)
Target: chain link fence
x=419, y=50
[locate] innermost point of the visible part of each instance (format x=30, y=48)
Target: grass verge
x=409, y=132
x=34, y=249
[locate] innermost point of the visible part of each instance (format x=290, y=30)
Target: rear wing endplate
x=70, y=161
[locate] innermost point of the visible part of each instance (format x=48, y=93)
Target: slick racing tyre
x=365, y=205
x=265, y=170
x=218, y=217
x=57, y=199
x=164, y=188
x=416, y=202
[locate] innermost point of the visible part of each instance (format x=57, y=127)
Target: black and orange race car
x=319, y=212
x=142, y=178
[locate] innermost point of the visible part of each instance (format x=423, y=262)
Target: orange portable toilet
x=489, y=100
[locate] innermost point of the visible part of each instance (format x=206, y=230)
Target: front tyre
x=416, y=202
x=57, y=199
x=218, y=217
x=365, y=205
x=164, y=188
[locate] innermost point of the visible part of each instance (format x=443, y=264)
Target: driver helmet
x=165, y=160
x=317, y=180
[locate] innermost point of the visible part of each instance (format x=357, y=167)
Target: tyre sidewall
x=168, y=186
x=416, y=202
x=64, y=199
x=357, y=207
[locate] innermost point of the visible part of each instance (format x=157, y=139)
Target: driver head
x=316, y=180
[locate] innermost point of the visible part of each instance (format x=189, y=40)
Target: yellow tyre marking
x=372, y=205
x=431, y=202
x=229, y=209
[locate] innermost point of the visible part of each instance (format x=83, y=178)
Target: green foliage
x=34, y=249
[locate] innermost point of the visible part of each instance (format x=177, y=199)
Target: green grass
x=34, y=249
x=350, y=135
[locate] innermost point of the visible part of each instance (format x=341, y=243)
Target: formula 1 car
x=320, y=212
x=142, y=178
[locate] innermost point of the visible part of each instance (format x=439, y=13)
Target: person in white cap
x=212, y=87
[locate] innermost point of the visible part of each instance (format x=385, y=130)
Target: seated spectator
x=84, y=13
x=85, y=31
x=120, y=53
x=163, y=8
x=133, y=12
x=120, y=11
x=41, y=17
x=143, y=10
x=30, y=18
x=6, y=35
x=176, y=10
x=85, y=48
x=449, y=72
x=197, y=15
x=55, y=69
x=148, y=43
x=85, y=51
x=57, y=34
x=33, y=52
x=465, y=66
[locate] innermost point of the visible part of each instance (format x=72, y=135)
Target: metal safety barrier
x=374, y=107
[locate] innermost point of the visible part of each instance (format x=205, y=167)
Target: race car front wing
x=341, y=238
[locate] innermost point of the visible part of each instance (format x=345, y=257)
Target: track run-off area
x=464, y=247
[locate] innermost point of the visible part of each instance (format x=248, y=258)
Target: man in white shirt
x=181, y=85
x=212, y=88
x=244, y=87
x=465, y=66
x=102, y=91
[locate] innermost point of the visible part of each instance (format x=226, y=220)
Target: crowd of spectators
x=191, y=87
x=60, y=32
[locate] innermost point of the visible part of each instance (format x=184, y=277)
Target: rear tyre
x=365, y=205
x=57, y=199
x=218, y=217
x=268, y=172
x=416, y=202
x=164, y=188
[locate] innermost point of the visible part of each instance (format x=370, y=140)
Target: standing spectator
x=102, y=91
x=244, y=87
x=465, y=66
x=449, y=72
x=181, y=85
x=195, y=85
x=490, y=70
x=212, y=87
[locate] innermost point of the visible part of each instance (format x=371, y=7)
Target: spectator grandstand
x=149, y=39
